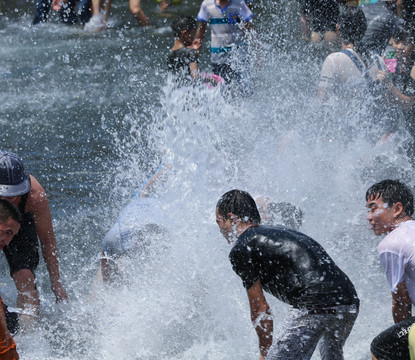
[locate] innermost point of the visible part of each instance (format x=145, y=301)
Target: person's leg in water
x=299, y=339
x=226, y=72
x=337, y=331
x=42, y=11
x=138, y=13
x=27, y=296
x=67, y=13
x=84, y=11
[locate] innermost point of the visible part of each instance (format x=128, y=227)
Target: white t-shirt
x=139, y=222
x=340, y=73
x=397, y=257
x=226, y=32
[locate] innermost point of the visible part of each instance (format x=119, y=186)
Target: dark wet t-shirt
x=179, y=60
x=292, y=267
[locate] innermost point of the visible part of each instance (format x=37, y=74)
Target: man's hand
x=57, y=4
x=197, y=43
x=381, y=75
x=59, y=292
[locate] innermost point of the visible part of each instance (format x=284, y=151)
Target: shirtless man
x=295, y=269
x=25, y=192
x=10, y=219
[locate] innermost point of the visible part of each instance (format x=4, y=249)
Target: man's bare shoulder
x=37, y=195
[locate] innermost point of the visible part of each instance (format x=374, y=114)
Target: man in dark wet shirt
x=183, y=57
x=296, y=270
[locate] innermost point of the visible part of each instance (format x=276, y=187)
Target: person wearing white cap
x=22, y=255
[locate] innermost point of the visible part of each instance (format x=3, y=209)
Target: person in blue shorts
x=296, y=270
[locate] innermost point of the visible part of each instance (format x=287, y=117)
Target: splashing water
x=94, y=115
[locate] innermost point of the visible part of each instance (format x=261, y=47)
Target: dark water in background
x=93, y=114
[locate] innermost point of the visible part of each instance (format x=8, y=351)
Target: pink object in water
x=391, y=64
x=211, y=80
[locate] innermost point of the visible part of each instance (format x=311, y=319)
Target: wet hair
x=239, y=203
x=285, y=214
x=183, y=23
x=352, y=25
x=8, y=210
x=391, y=192
x=404, y=33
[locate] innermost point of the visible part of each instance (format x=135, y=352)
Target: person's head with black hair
x=236, y=211
x=404, y=33
x=352, y=25
x=239, y=203
x=404, y=44
x=390, y=202
x=10, y=220
x=8, y=210
x=184, y=29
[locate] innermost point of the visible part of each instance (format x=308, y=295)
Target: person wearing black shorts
x=25, y=192
x=295, y=269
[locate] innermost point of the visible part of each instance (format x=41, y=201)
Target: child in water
x=230, y=21
x=184, y=55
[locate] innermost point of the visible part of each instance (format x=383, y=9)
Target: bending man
x=295, y=269
x=24, y=191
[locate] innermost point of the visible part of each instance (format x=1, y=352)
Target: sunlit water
x=93, y=115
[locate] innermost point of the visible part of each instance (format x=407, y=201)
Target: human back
x=352, y=71
x=291, y=266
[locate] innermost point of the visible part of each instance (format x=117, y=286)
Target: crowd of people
x=367, y=32
x=268, y=253
x=375, y=62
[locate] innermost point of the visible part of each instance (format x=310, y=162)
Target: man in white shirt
x=391, y=206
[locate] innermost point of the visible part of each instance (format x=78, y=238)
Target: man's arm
x=261, y=317
x=39, y=205
x=328, y=78
x=200, y=34
x=399, y=8
x=401, y=303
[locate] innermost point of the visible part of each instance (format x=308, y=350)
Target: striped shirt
x=226, y=31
